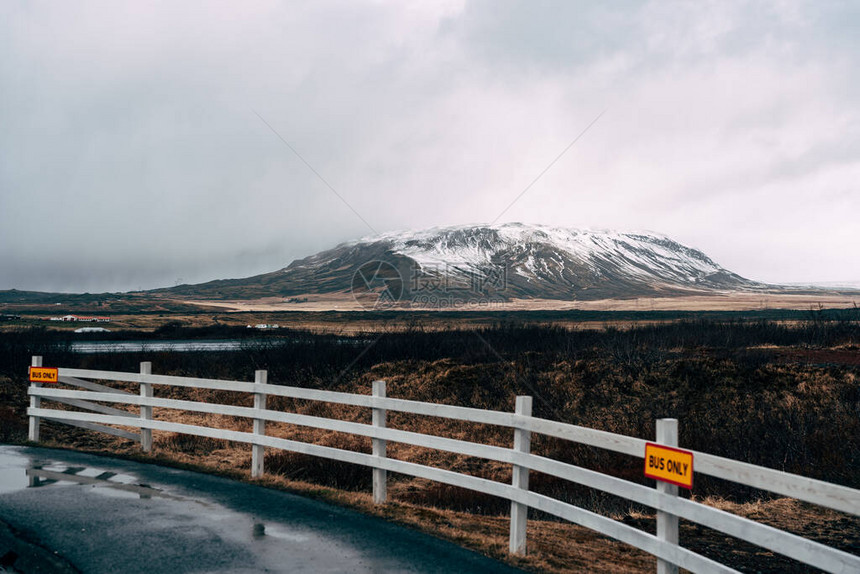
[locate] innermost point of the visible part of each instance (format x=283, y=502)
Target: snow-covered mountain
x=501, y=262
x=540, y=260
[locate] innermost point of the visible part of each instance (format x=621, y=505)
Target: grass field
x=143, y=316
x=776, y=389
x=729, y=301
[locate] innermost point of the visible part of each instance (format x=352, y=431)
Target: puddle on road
x=19, y=471
x=273, y=541
x=13, y=467
x=262, y=531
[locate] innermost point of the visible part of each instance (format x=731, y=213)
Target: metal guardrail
x=664, y=500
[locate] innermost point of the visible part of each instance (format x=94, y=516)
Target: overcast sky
x=132, y=154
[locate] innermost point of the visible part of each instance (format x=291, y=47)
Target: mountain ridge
x=492, y=263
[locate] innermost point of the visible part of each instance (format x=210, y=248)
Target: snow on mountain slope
x=473, y=248
x=498, y=262
x=553, y=262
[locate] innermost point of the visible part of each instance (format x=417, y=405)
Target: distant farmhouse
x=81, y=319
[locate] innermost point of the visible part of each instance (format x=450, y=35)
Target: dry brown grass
x=728, y=301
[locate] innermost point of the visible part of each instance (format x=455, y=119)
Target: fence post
x=145, y=411
x=258, y=451
x=35, y=403
x=379, y=416
x=667, y=524
x=520, y=512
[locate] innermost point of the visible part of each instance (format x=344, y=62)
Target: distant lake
x=161, y=346
x=91, y=347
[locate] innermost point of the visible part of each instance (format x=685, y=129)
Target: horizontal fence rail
x=669, y=506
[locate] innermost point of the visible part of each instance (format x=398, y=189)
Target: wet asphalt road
x=107, y=515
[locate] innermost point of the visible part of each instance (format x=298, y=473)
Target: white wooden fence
x=670, y=507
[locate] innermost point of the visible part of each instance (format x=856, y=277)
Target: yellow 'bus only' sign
x=669, y=464
x=44, y=375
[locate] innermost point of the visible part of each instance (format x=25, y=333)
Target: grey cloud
x=132, y=127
